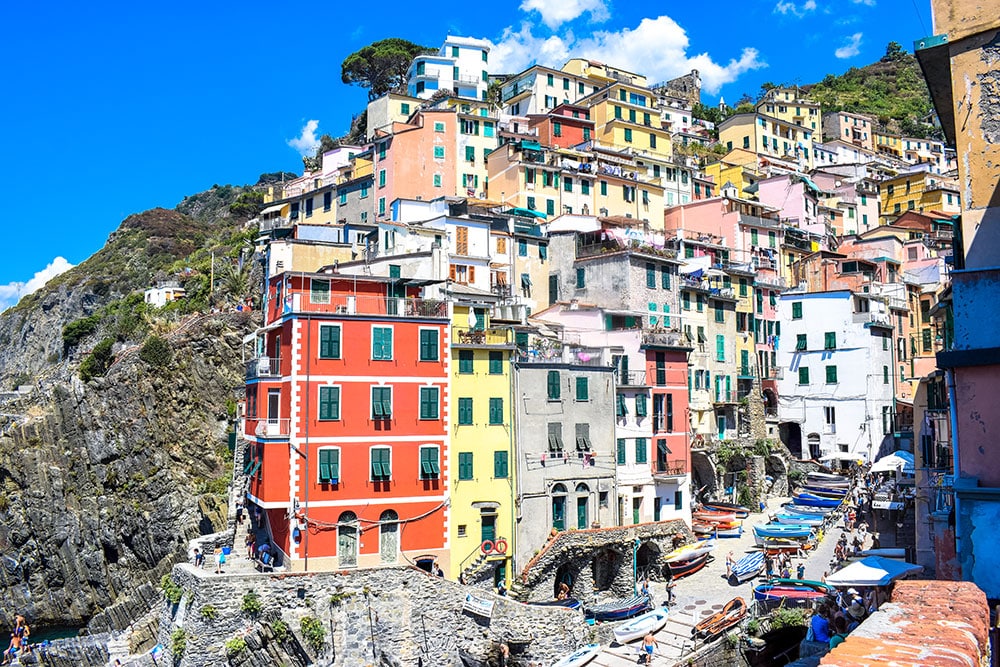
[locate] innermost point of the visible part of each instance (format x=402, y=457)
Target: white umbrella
x=896, y=461
x=872, y=571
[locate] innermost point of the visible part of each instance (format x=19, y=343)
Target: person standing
x=220, y=560
x=800, y=572
x=199, y=559
x=730, y=561
x=671, y=582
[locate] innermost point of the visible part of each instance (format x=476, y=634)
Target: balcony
x=747, y=373
x=275, y=223
x=263, y=367
x=675, y=468
x=664, y=339
x=757, y=221
x=725, y=398
x=479, y=337
x=565, y=354
x=263, y=427
x=764, y=280
x=349, y=304
x=869, y=318
x=631, y=378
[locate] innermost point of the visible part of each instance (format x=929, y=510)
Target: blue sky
x=114, y=108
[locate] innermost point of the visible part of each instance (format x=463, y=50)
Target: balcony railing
x=883, y=319
x=479, y=336
x=344, y=304
x=671, y=468
x=631, y=378
x=568, y=354
x=275, y=223
x=264, y=427
x=263, y=367
x=664, y=338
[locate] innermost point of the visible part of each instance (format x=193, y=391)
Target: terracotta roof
x=927, y=624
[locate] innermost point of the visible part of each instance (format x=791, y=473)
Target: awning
x=872, y=571
x=896, y=461
x=273, y=209
x=531, y=145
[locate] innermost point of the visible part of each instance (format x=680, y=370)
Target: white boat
x=826, y=479
x=690, y=551
x=799, y=519
x=640, y=626
x=580, y=656
x=807, y=509
x=885, y=552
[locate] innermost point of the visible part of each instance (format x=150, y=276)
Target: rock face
x=102, y=484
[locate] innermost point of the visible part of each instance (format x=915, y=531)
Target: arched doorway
x=646, y=559
x=388, y=536
x=703, y=475
x=813, y=441
x=582, y=506
x=347, y=539
x=559, y=506
x=566, y=574
x=605, y=567
x=790, y=433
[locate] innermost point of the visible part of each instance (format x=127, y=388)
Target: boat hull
x=734, y=612
x=811, y=500
x=579, y=657
x=640, y=626
x=568, y=603
x=684, y=568
x=689, y=551
x=799, y=519
x=740, y=511
x=747, y=567
x=618, y=609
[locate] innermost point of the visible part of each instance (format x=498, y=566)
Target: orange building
x=346, y=414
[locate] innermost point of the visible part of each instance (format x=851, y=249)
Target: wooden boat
x=813, y=500
x=682, y=568
x=782, y=530
x=798, y=519
x=828, y=479
x=734, y=612
x=728, y=529
x=807, y=509
x=776, y=545
x=747, y=567
x=834, y=495
x=713, y=516
x=690, y=550
x=616, y=610
x=740, y=511
x=579, y=657
x=569, y=603
x=640, y=626
x=792, y=591
x=825, y=490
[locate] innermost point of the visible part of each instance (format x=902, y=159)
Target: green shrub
x=170, y=589
x=312, y=630
x=235, y=646
x=97, y=363
x=280, y=630
x=178, y=642
x=75, y=331
x=785, y=617
x=251, y=604
x=208, y=612
x=156, y=351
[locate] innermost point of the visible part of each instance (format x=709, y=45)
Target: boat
x=569, y=603
x=616, y=610
x=777, y=545
x=682, y=568
x=740, y=511
x=730, y=529
x=734, y=612
x=640, y=626
x=829, y=490
x=713, y=516
x=798, y=519
x=807, y=509
x=792, y=591
x=580, y=656
x=689, y=550
x=747, y=567
x=835, y=495
x=783, y=530
x=828, y=479
x=813, y=500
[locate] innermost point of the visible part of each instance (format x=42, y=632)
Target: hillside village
x=553, y=308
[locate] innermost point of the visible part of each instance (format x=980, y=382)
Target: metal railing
x=349, y=304
x=481, y=336
x=263, y=367
x=631, y=378
x=568, y=354
x=665, y=338
x=265, y=427
x=670, y=468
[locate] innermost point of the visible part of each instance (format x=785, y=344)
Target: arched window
x=582, y=505
x=388, y=536
x=559, y=507
x=813, y=440
x=347, y=539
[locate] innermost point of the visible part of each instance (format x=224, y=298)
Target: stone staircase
x=674, y=641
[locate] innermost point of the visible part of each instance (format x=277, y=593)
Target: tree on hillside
x=894, y=51
x=381, y=66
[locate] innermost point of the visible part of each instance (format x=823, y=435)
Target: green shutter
x=465, y=411
x=803, y=375
x=664, y=277
x=465, y=465
x=470, y=153
x=720, y=347
x=496, y=363
x=382, y=343
x=329, y=402
x=640, y=405
x=554, y=386
x=329, y=466
x=500, y=467
x=831, y=375
x=797, y=310
x=428, y=345
x=620, y=409
x=329, y=342
x=640, y=450
x=428, y=403
x=429, y=465
x=621, y=451
x=800, y=341
x=465, y=361
x=496, y=411
x=381, y=470
x=831, y=340
x=582, y=389
x=650, y=275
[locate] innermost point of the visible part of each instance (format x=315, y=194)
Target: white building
x=460, y=67
x=163, y=293
x=837, y=385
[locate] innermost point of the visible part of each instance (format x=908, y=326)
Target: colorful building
x=347, y=412
x=791, y=106
x=854, y=128
x=919, y=191
x=769, y=136
x=460, y=67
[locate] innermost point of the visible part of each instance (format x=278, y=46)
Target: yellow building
x=482, y=466
x=789, y=105
x=769, y=136
x=738, y=167
x=888, y=144
x=601, y=73
x=920, y=191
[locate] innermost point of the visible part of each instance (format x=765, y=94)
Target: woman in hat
x=855, y=614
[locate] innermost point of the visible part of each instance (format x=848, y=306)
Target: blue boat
x=825, y=490
x=815, y=501
x=781, y=530
x=569, y=603
x=617, y=610
x=799, y=519
x=747, y=567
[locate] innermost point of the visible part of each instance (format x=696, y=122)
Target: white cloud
x=869, y=3
x=656, y=48
x=307, y=141
x=556, y=12
x=788, y=7
x=11, y=293
x=851, y=49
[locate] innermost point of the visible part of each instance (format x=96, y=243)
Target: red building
x=667, y=376
x=565, y=126
x=346, y=413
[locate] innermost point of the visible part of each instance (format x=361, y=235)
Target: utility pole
x=211, y=280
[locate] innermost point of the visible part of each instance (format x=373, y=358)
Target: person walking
x=649, y=644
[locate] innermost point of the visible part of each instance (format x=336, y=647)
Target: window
x=381, y=178
x=439, y=127
x=550, y=79
x=465, y=465
x=428, y=345
x=620, y=409
x=439, y=152
x=803, y=375
x=568, y=184
x=621, y=451
x=329, y=403
x=797, y=310
x=381, y=464
x=771, y=239
x=555, y=437
x=404, y=109
x=640, y=405
x=604, y=188
x=720, y=347
x=885, y=375
x=465, y=362
x=753, y=237
x=557, y=129
x=327, y=201
x=686, y=300
x=582, y=389
x=650, y=275
x=496, y=361
x=329, y=465
x=830, y=340
x=581, y=278
x=437, y=180
x=628, y=135
x=550, y=207
x=522, y=248
x=720, y=313
x=319, y=291
x=382, y=343
x=665, y=277
x=429, y=403
x=381, y=205
x=554, y=386
x=652, y=137
x=640, y=450
x=381, y=402
x=464, y=411
x=430, y=462
x=329, y=341
x=343, y=197
x=496, y=411
x=470, y=154
x=500, y=465
x=800, y=342
x=831, y=375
